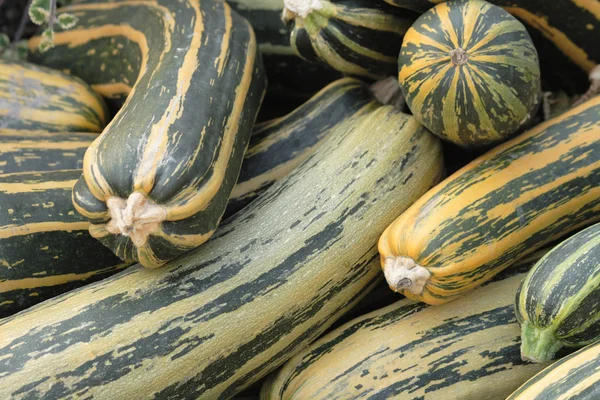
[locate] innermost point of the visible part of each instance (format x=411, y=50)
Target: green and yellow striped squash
x=564, y=33
x=410, y=350
x=276, y=149
x=155, y=184
x=28, y=151
x=558, y=303
x=280, y=145
x=37, y=98
x=222, y=316
x=505, y=204
x=45, y=247
x=575, y=377
x=289, y=75
x=470, y=72
x=357, y=37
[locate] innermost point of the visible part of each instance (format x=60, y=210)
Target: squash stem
x=300, y=8
x=594, y=89
x=538, y=345
x=137, y=217
x=388, y=92
x=404, y=273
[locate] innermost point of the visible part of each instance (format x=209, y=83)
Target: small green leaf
x=67, y=21
x=45, y=4
x=4, y=40
x=38, y=15
x=47, y=41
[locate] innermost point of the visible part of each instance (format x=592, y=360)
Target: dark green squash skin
x=559, y=299
x=45, y=248
x=222, y=316
x=33, y=97
x=317, y=37
x=192, y=136
x=27, y=151
x=288, y=74
x=548, y=22
x=278, y=146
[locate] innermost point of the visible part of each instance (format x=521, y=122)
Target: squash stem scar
x=137, y=217
x=459, y=56
x=404, y=273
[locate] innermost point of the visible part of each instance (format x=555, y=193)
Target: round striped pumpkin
x=470, y=72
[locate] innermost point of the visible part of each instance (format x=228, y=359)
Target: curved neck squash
x=157, y=180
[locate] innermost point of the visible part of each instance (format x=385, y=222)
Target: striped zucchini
x=289, y=75
x=224, y=315
x=276, y=148
x=45, y=248
x=357, y=37
x=38, y=98
x=575, y=377
x=558, y=303
x=409, y=350
x=279, y=146
x=156, y=182
x=564, y=33
x=28, y=151
x=505, y=204
x=470, y=72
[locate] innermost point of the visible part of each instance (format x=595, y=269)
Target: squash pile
x=303, y=199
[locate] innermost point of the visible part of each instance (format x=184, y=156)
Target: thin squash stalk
x=538, y=345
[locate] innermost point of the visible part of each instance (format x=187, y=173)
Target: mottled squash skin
x=470, y=72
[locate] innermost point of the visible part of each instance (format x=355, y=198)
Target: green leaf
x=45, y=4
x=38, y=15
x=47, y=41
x=4, y=40
x=67, y=21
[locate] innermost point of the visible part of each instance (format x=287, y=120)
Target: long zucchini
x=45, y=248
x=504, y=205
x=468, y=349
x=27, y=151
x=558, y=303
x=155, y=184
x=37, y=98
x=226, y=314
x=575, y=377
x=278, y=146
